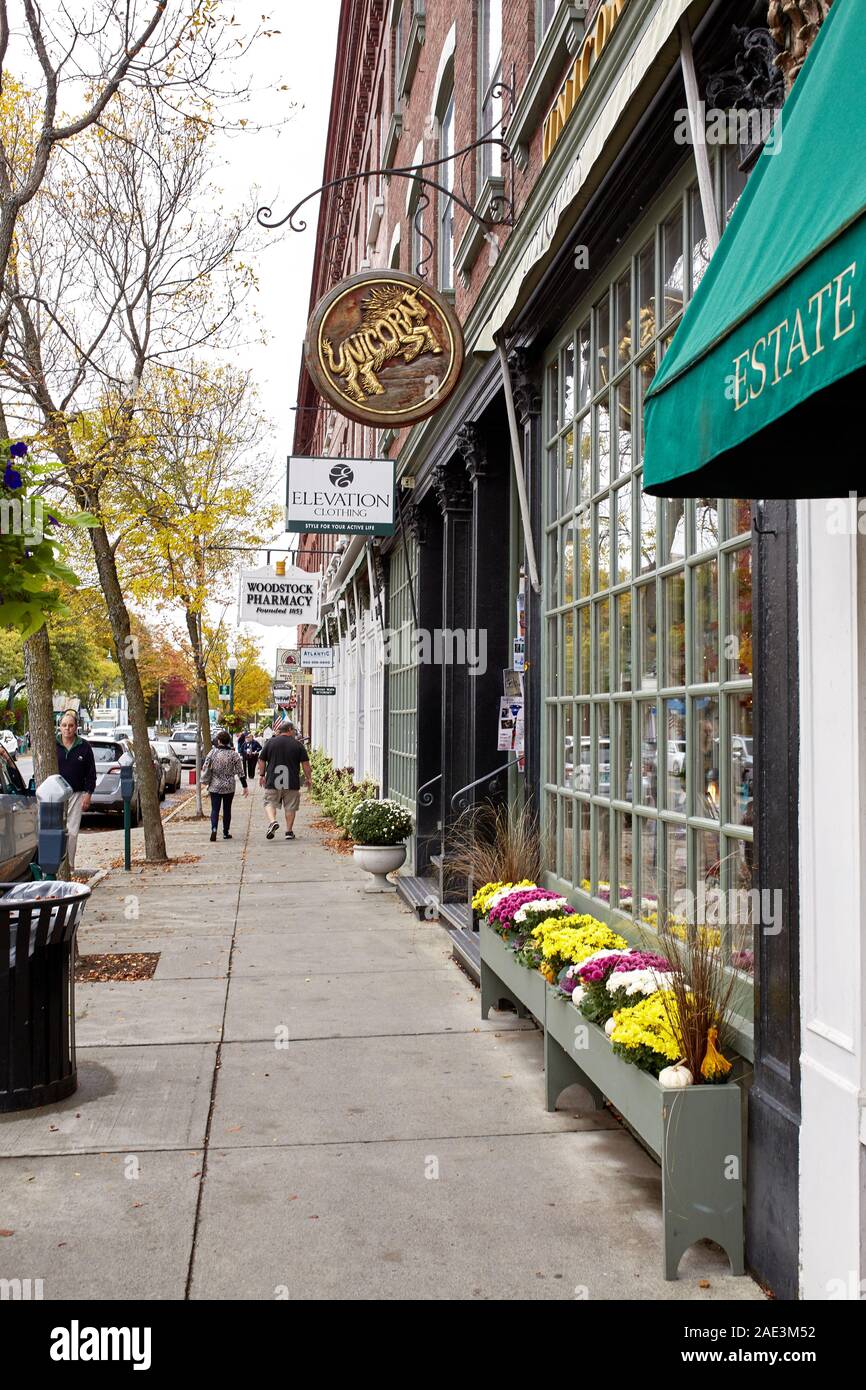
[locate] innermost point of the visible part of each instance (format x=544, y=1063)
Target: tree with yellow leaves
x=189, y=498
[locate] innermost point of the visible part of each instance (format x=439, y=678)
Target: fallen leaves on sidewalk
x=130, y=965
x=332, y=835
x=163, y=864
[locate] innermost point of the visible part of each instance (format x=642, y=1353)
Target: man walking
x=279, y=767
x=76, y=763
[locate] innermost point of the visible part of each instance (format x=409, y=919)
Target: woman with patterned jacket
x=221, y=766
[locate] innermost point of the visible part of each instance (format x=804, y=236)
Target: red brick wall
x=365, y=58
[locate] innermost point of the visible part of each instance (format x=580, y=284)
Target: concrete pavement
x=304, y=1103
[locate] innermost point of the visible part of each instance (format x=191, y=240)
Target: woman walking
x=221, y=766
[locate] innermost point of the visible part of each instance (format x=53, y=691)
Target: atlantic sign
x=278, y=600
x=354, y=495
x=384, y=348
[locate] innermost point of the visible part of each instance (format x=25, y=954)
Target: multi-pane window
x=402, y=677
x=490, y=32
x=648, y=642
x=446, y=202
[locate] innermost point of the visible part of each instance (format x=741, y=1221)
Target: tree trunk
x=40, y=704
x=118, y=614
x=193, y=627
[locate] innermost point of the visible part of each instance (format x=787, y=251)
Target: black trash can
x=38, y=922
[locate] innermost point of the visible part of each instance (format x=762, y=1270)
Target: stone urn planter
x=379, y=860
x=379, y=829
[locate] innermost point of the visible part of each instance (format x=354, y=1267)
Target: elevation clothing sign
x=771, y=354
x=274, y=600
x=354, y=495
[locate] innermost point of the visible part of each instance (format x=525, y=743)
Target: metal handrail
x=479, y=781
x=429, y=798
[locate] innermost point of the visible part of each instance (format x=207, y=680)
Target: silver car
x=107, y=754
x=170, y=763
x=19, y=823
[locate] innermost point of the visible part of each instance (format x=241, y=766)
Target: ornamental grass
x=490, y=844
x=700, y=995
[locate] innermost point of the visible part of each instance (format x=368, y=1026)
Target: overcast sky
x=284, y=163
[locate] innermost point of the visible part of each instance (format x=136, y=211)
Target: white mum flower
x=539, y=905
x=637, y=982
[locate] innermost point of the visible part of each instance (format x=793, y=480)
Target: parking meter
x=52, y=796
x=126, y=763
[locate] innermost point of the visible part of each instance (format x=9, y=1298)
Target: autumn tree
x=192, y=496
x=118, y=270
x=79, y=58
x=253, y=683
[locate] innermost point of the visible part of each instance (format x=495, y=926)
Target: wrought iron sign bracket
x=500, y=208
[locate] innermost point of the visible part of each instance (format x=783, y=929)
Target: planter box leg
x=493, y=991
x=702, y=1174
x=561, y=1070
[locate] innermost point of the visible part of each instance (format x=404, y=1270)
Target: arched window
x=446, y=202
x=489, y=79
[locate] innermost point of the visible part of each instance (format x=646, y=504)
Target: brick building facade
x=602, y=224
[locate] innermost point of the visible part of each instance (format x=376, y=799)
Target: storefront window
x=650, y=607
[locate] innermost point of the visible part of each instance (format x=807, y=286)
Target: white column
x=832, y=591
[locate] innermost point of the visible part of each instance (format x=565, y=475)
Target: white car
x=676, y=757
x=9, y=742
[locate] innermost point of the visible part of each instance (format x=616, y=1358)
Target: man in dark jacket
x=280, y=764
x=76, y=763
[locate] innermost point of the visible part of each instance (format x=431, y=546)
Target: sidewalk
x=304, y=1103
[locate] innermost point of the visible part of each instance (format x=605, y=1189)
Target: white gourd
x=609, y=1026
x=674, y=1078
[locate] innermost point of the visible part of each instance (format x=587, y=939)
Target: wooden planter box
x=503, y=977
x=695, y=1133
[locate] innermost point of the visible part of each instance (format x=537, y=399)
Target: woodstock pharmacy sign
x=278, y=599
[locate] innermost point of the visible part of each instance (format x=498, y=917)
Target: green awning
x=760, y=391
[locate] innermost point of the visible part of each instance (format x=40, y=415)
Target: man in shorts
x=280, y=764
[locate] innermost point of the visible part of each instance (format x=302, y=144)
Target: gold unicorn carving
x=392, y=325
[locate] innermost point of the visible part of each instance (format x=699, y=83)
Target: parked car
x=107, y=754
x=122, y=731
x=583, y=782
x=676, y=756
x=170, y=762
x=19, y=824
x=9, y=741
x=183, y=745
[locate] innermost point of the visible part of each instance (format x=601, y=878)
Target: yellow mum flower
x=648, y=1025
x=481, y=900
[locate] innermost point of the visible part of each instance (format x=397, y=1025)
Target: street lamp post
x=233, y=666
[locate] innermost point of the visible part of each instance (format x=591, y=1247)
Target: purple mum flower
x=642, y=960
x=506, y=908
x=18, y=451
x=11, y=477
x=596, y=971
